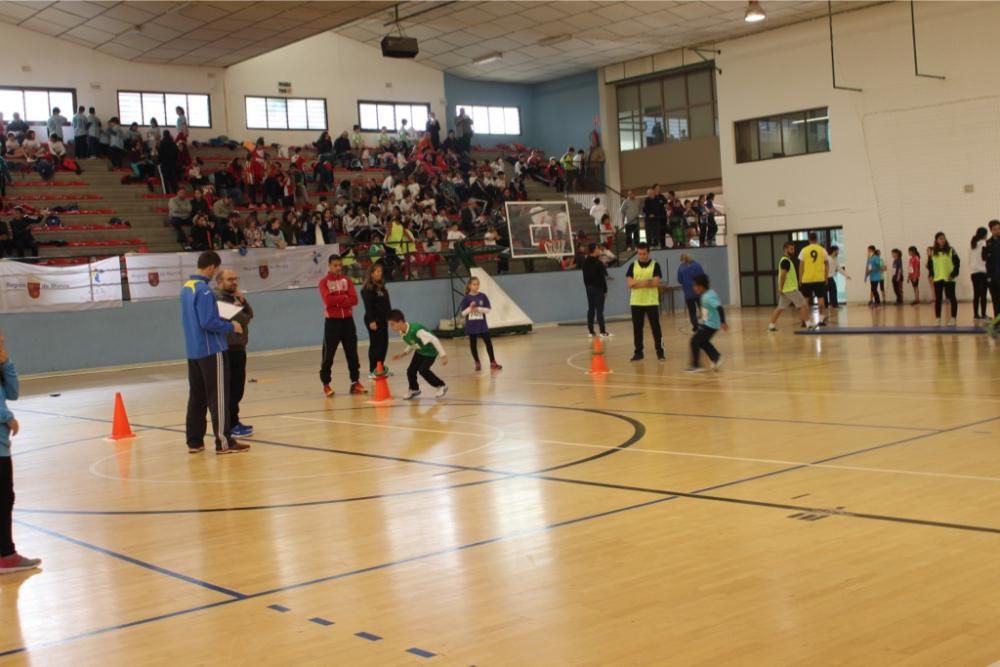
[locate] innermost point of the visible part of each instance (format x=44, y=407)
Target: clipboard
x=228, y=311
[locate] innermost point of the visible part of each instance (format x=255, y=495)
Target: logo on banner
x=154, y=278
x=34, y=286
x=264, y=271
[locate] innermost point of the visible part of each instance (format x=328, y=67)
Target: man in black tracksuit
x=229, y=292
x=595, y=279
x=992, y=256
x=654, y=209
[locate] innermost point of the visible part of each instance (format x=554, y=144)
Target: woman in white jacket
x=977, y=269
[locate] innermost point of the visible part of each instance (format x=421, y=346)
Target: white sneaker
x=938, y=320
x=590, y=335
x=694, y=369
x=411, y=394
x=607, y=334
x=772, y=328
x=442, y=391
x=717, y=365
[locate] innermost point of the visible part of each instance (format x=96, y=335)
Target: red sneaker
x=479, y=366
x=18, y=563
x=358, y=388
x=327, y=390
x=494, y=366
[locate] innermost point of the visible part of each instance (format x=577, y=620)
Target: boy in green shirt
x=426, y=348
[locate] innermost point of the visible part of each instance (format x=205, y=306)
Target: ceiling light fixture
x=553, y=40
x=493, y=57
x=755, y=13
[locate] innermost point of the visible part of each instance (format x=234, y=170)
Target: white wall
x=901, y=151
x=61, y=64
x=337, y=68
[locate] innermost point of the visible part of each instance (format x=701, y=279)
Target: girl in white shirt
x=977, y=268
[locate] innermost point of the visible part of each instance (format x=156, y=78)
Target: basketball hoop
x=554, y=248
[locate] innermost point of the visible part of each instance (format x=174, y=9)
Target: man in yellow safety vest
x=644, y=276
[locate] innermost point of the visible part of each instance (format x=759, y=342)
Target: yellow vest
x=397, y=239
x=644, y=296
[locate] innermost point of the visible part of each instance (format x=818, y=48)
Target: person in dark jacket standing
x=376, y=299
x=229, y=292
x=686, y=273
x=654, y=209
x=339, y=298
x=991, y=253
x=205, y=339
x=433, y=128
x=595, y=280
x=166, y=155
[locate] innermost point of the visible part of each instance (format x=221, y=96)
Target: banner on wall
x=32, y=288
x=160, y=276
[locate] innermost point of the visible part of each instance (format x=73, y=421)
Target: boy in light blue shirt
x=713, y=318
x=10, y=560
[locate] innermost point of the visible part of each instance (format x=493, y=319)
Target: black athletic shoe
x=636, y=357
x=661, y=357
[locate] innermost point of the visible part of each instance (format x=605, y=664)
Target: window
x=373, y=116
x=285, y=113
x=667, y=109
x=785, y=135
x=142, y=107
x=492, y=120
x=35, y=105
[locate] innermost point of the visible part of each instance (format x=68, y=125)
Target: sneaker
x=442, y=391
x=661, y=357
x=494, y=366
x=411, y=394
x=358, y=388
x=327, y=390
x=234, y=448
x=590, y=335
x=636, y=357
x=242, y=431
x=717, y=365
x=938, y=322
x=605, y=334
x=479, y=366
x=822, y=323
x=694, y=369
x=772, y=328
x=197, y=449
x=18, y=563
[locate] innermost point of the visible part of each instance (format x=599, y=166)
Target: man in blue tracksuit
x=686, y=273
x=10, y=560
x=205, y=337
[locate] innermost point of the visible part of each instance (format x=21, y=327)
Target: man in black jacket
x=991, y=253
x=229, y=292
x=21, y=238
x=595, y=279
x=655, y=211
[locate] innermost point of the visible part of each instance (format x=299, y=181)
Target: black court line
x=134, y=561
x=351, y=573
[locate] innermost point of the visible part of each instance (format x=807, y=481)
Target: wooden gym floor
x=823, y=500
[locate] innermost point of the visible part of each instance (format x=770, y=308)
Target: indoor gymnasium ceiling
x=212, y=34
x=546, y=40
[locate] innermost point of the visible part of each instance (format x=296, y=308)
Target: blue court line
x=134, y=561
x=420, y=652
x=278, y=607
x=369, y=636
x=382, y=566
x=320, y=621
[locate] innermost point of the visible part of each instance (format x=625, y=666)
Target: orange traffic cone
x=382, y=393
x=597, y=364
x=120, y=427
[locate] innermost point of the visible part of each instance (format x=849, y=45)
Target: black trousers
x=692, y=306
x=897, y=289
x=944, y=288
x=422, y=365
x=875, y=295
x=474, y=346
x=6, y=506
x=995, y=295
x=979, y=295
x=656, y=231
x=595, y=308
x=832, y=300
x=632, y=234
x=639, y=314
x=237, y=381
x=80, y=146
x=702, y=340
x=208, y=389
x=23, y=242
x=378, y=345
x=337, y=332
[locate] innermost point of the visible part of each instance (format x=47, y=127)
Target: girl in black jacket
x=377, y=307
